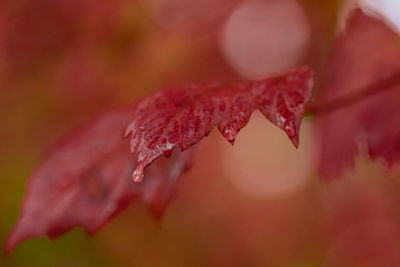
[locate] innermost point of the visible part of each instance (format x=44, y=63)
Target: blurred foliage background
x=259, y=203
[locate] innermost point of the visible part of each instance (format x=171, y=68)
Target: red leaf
x=182, y=117
x=85, y=181
x=365, y=56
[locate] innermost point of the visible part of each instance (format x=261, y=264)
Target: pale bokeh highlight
x=264, y=163
x=387, y=10
x=265, y=37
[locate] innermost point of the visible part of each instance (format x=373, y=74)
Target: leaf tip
x=137, y=175
x=230, y=135
x=295, y=141
x=13, y=240
x=8, y=248
x=293, y=133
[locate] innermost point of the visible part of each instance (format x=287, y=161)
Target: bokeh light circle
x=265, y=37
x=388, y=10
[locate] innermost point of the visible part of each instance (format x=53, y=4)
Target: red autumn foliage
x=370, y=114
x=183, y=116
x=85, y=181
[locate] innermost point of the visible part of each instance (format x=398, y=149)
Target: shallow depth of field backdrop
x=258, y=203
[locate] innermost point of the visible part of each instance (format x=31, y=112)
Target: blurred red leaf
x=366, y=55
x=182, y=117
x=41, y=29
x=85, y=181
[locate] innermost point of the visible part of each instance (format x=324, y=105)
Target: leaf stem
x=363, y=93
